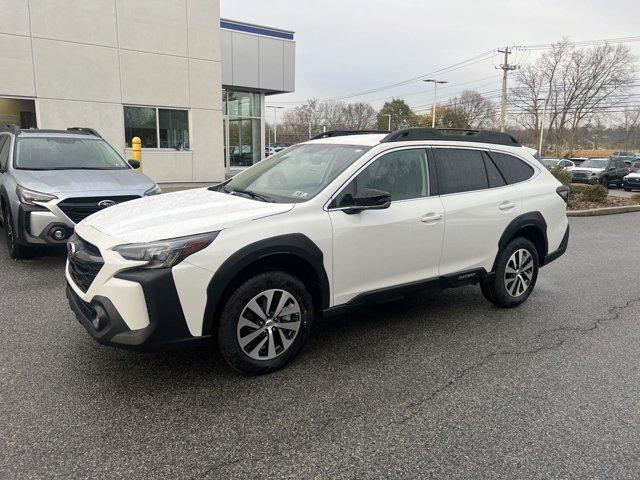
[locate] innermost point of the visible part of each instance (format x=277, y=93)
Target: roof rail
x=344, y=133
x=455, y=134
x=89, y=131
x=11, y=128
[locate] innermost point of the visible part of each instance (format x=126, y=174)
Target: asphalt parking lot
x=438, y=386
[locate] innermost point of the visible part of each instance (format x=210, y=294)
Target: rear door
x=479, y=203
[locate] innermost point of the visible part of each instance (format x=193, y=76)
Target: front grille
x=83, y=307
x=78, y=209
x=85, y=262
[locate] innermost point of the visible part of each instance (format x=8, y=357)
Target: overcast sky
x=351, y=46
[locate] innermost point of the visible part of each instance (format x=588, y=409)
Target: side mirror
x=370, y=199
x=134, y=163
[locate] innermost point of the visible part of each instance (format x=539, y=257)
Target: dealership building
x=191, y=85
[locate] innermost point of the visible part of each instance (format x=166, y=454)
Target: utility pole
x=505, y=70
x=435, y=98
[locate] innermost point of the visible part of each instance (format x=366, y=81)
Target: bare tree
x=575, y=85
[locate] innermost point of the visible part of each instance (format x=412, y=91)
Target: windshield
x=549, y=162
x=298, y=173
x=595, y=163
x=66, y=153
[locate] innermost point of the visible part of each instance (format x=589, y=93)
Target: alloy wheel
x=269, y=324
x=518, y=273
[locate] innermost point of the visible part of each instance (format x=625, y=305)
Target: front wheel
x=515, y=276
x=627, y=189
x=16, y=250
x=265, y=323
x=605, y=182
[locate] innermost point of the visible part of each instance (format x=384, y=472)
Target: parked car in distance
x=273, y=150
x=322, y=226
x=608, y=172
x=631, y=156
x=552, y=163
x=577, y=161
x=631, y=181
x=52, y=179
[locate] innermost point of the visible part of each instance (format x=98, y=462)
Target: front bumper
x=592, y=180
x=166, y=328
x=36, y=224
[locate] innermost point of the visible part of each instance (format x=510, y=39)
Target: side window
x=495, y=177
x=5, y=144
x=513, y=169
x=460, y=170
x=403, y=174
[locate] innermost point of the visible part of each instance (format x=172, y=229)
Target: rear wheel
x=515, y=276
x=16, y=250
x=265, y=323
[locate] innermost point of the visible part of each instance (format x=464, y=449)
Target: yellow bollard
x=136, y=144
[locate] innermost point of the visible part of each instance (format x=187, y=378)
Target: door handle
x=506, y=206
x=431, y=217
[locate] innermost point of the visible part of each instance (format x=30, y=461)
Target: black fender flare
x=296, y=245
x=530, y=219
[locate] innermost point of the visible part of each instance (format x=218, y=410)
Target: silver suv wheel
x=268, y=324
x=518, y=272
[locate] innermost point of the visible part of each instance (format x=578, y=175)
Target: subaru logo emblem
x=106, y=203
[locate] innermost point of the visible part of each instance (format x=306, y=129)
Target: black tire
x=496, y=290
x=16, y=250
x=627, y=189
x=228, y=342
x=605, y=182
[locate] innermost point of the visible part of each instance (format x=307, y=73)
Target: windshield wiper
x=252, y=194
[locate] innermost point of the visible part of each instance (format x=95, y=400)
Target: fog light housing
x=99, y=318
x=58, y=233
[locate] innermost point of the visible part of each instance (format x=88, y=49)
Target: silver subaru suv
x=52, y=179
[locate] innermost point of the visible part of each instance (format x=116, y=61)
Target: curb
x=603, y=211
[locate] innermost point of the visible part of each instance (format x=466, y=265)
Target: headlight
x=165, y=253
x=31, y=196
x=155, y=190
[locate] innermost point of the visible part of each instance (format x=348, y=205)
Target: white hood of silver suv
x=179, y=214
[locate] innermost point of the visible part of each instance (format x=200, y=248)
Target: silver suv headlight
x=31, y=196
x=165, y=253
x=155, y=190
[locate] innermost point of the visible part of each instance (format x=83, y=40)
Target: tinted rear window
x=460, y=170
x=513, y=169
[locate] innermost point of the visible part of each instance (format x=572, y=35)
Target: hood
x=633, y=175
x=586, y=169
x=179, y=214
x=87, y=182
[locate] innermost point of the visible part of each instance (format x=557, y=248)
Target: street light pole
x=275, y=123
x=544, y=115
x=435, y=98
x=389, y=116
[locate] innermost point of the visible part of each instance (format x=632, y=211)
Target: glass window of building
x=243, y=131
x=157, y=127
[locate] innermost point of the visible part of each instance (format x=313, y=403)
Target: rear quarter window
x=512, y=168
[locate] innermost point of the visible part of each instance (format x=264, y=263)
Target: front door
x=379, y=249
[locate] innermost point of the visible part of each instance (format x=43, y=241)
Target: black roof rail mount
x=454, y=134
x=344, y=133
x=11, y=128
x=86, y=130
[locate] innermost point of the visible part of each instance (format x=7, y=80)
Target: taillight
x=563, y=191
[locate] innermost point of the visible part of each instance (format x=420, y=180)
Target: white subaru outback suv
x=322, y=226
